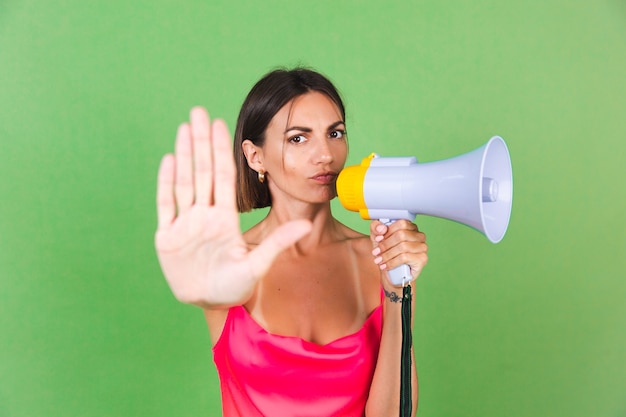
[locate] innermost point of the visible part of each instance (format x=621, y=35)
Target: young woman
x=302, y=315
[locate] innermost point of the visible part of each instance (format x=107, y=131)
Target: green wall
x=91, y=94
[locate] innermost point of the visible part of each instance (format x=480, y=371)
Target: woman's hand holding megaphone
x=396, y=244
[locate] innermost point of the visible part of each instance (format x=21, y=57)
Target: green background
x=91, y=94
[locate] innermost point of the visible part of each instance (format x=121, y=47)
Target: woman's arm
x=400, y=243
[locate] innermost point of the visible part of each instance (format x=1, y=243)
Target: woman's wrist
x=393, y=296
x=396, y=295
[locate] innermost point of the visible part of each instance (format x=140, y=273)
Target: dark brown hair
x=264, y=100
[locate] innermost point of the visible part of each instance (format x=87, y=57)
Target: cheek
x=341, y=152
x=289, y=162
x=274, y=158
x=283, y=166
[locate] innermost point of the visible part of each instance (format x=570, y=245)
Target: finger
x=399, y=238
x=416, y=260
x=403, y=251
x=202, y=165
x=418, y=264
x=224, y=166
x=380, y=231
x=396, y=246
x=402, y=225
x=399, y=231
x=184, y=176
x=166, y=205
x=262, y=256
x=377, y=231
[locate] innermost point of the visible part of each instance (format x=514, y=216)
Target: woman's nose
x=323, y=152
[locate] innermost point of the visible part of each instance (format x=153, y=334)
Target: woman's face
x=305, y=148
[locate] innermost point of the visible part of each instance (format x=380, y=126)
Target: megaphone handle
x=400, y=275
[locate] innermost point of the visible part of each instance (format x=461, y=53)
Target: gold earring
x=261, y=176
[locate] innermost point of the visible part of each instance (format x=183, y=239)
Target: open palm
x=198, y=240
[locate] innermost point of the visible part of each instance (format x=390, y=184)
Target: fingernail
x=376, y=251
x=378, y=260
x=379, y=238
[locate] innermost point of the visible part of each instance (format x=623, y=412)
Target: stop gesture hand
x=199, y=244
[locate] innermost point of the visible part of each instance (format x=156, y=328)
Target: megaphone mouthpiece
x=490, y=190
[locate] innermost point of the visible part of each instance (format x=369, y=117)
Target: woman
x=302, y=315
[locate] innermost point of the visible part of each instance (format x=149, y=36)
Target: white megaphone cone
x=475, y=189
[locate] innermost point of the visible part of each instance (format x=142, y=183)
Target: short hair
x=264, y=100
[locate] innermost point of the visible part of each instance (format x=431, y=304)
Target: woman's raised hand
x=198, y=240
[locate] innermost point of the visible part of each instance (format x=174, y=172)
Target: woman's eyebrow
x=308, y=129
x=337, y=123
x=301, y=129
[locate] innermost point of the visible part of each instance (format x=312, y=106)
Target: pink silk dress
x=262, y=374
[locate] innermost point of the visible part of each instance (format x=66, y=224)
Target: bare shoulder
x=360, y=243
x=215, y=319
x=369, y=275
x=351, y=233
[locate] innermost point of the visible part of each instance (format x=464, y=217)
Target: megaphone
x=475, y=189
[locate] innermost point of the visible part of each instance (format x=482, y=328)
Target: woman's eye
x=297, y=139
x=337, y=134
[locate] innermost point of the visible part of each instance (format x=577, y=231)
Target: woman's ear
x=253, y=154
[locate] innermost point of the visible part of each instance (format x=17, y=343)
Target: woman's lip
x=325, y=178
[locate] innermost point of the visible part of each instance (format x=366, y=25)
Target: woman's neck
x=325, y=228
